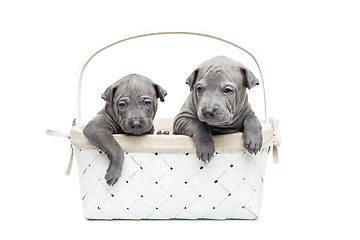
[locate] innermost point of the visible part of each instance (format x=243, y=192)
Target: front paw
x=253, y=141
x=113, y=173
x=205, y=150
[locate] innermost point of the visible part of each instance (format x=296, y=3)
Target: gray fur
x=218, y=103
x=125, y=111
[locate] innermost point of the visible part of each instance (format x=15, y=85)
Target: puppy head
x=132, y=103
x=219, y=90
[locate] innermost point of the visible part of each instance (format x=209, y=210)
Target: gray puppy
x=218, y=103
x=131, y=104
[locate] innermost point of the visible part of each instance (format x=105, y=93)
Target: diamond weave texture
x=172, y=186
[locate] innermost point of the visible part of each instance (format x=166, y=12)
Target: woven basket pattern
x=172, y=186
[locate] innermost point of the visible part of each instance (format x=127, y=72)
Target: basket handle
x=84, y=65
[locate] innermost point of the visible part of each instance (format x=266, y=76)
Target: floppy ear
x=109, y=93
x=250, y=80
x=160, y=92
x=192, y=78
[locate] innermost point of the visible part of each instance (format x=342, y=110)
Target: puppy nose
x=209, y=112
x=135, y=124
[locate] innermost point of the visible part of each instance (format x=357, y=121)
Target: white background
x=309, y=52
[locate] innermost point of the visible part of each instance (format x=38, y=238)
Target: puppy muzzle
x=214, y=116
x=137, y=126
x=210, y=112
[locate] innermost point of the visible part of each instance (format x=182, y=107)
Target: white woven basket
x=163, y=179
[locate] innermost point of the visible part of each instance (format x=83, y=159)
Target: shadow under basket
x=162, y=178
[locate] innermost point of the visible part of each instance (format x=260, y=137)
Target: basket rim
x=224, y=143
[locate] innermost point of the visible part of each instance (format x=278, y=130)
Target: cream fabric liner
x=224, y=143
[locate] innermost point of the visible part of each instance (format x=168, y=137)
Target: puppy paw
x=252, y=141
x=205, y=151
x=113, y=173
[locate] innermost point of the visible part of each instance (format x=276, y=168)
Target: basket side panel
x=172, y=186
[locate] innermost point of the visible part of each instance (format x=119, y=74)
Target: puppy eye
x=122, y=105
x=228, y=91
x=199, y=89
x=147, y=103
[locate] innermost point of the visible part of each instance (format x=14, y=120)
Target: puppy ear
x=160, y=92
x=109, y=93
x=250, y=80
x=192, y=78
